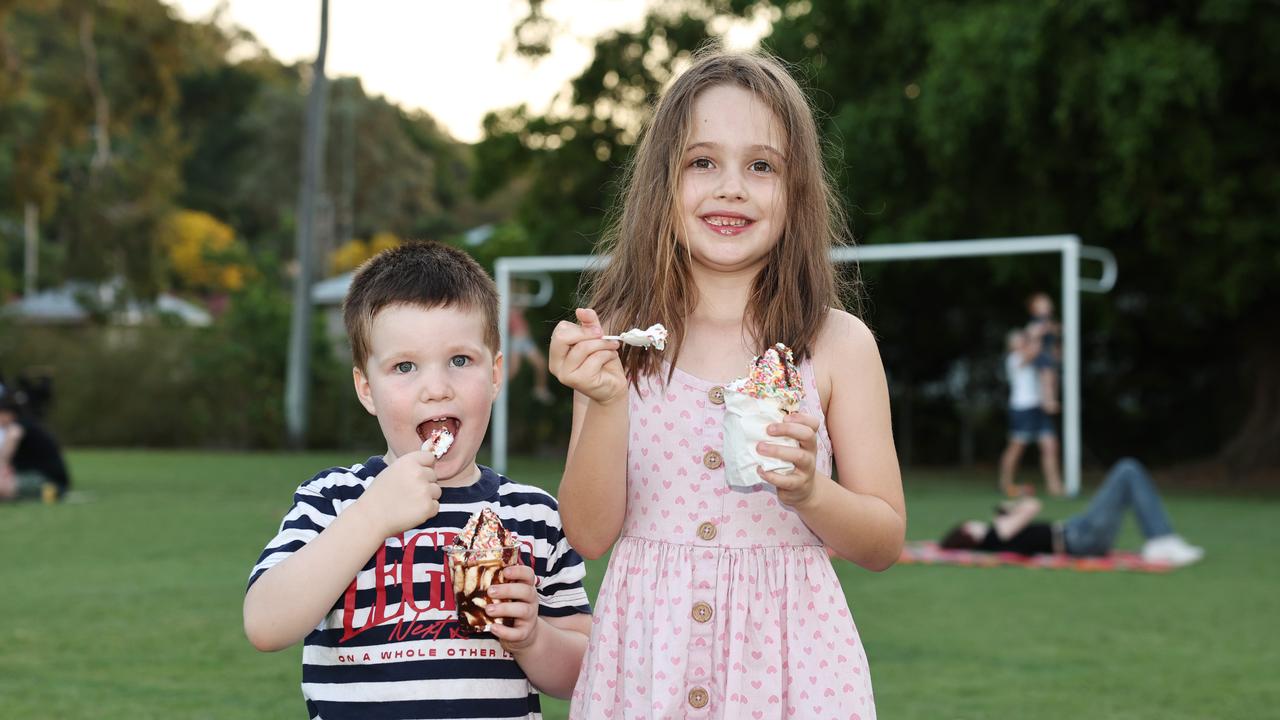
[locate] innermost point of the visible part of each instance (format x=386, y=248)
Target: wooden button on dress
x=702, y=612
x=699, y=698
x=712, y=460
x=716, y=395
x=707, y=531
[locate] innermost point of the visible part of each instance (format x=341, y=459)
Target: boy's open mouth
x=427, y=428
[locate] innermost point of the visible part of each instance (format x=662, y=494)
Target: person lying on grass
x=1089, y=534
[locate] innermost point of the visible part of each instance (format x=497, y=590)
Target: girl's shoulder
x=845, y=347
x=842, y=334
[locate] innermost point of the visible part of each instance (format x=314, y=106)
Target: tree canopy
x=1145, y=128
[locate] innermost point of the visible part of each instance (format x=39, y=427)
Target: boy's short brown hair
x=425, y=274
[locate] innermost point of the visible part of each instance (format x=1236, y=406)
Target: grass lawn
x=128, y=606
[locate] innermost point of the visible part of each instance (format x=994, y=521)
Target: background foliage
x=1146, y=128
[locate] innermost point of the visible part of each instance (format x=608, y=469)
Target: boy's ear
x=363, y=391
x=498, y=374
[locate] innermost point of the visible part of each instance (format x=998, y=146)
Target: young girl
x=721, y=602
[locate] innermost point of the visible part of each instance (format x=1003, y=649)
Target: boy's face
x=429, y=369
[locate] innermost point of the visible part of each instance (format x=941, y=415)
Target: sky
x=443, y=56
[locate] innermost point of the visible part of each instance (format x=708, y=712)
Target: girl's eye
x=404, y=367
x=701, y=164
x=459, y=361
x=761, y=166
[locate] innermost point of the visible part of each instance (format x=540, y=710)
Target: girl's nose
x=731, y=187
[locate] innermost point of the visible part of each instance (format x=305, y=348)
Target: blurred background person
x=1091, y=533
x=1045, y=330
x=31, y=463
x=1028, y=420
x=523, y=348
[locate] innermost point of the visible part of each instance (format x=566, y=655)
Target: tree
x=1143, y=128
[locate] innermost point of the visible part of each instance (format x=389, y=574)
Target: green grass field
x=127, y=605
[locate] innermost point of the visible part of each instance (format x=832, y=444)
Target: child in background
x=357, y=568
x=1028, y=421
x=1046, y=332
x=721, y=602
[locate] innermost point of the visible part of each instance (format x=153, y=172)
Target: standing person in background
x=31, y=463
x=724, y=237
x=1027, y=419
x=524, y=348
x=1046, y=331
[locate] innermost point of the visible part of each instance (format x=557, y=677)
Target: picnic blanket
x=928, y=553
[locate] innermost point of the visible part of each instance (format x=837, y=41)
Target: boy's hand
x=580, y=359
x=520, y=603
x=795, y=488
x=404, y=495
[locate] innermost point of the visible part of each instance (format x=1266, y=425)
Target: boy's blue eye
x=404, y=367
x=459, y=361
x=761, y=166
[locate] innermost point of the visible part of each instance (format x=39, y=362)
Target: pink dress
x=718, y=602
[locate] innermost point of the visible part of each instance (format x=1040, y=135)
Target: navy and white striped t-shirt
x=390, y=648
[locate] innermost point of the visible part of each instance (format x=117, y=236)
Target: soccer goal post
x=1067, y=246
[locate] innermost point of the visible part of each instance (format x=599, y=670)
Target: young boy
x=357, y=568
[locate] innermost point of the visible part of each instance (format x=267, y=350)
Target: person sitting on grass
x=31, y=463
x=1088, y=534
x=357, y=567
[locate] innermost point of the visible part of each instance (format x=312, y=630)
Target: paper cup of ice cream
x=771, y=391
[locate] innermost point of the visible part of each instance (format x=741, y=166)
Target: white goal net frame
x=1067, y=246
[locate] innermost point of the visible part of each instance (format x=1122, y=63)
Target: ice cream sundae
x=476, y=559
x=770, y=391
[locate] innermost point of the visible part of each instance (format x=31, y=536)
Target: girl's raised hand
x=582, y=360
x=795, y=488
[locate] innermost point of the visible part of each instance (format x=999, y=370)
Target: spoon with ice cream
x=654, y=336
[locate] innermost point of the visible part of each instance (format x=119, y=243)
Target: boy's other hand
x=580, y=359
x=404, y=495
x=520, y=603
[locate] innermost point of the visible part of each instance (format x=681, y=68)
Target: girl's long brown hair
x=648, y=280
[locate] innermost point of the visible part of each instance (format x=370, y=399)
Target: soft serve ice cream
x=769, y=392
x=654, y=336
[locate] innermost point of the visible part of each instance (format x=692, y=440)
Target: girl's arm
x=593, y=490
x=863, y=518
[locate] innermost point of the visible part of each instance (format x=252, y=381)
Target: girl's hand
x=520, y=603
x=581, y=360
x=795, y=488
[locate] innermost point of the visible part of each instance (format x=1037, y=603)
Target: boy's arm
x=548, y=649
x=554, y=659
x=290, y=599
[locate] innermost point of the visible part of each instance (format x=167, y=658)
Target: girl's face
x=732, y=184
